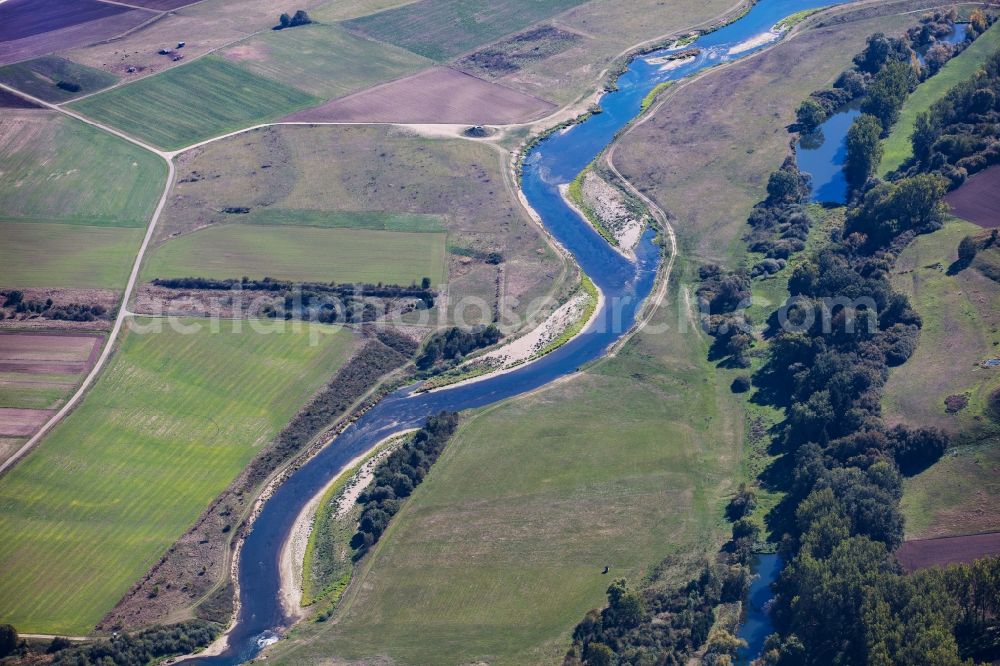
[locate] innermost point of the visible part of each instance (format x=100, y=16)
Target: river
x=625, y=285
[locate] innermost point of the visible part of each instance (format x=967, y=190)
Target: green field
x=40, y=77
x=43, y=254
x=168, y=426
x=442, y=29
x=323, y=60
x=366, y=177
x=897, y=146
x=302, y=254
x=56, y=169
x=338, y=219
x=183, y=105
x=499, y=553
x=961, y=328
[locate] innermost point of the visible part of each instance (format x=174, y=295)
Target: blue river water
x=553, y=161
x=822, y=152
x=757, y=624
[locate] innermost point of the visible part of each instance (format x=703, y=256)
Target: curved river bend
x=554, y=161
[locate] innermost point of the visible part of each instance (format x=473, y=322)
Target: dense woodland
x=842, y=598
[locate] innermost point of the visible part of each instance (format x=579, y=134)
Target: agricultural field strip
x=126, y=295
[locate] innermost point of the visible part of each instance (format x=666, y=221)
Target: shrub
x=741, y=384
x=810, y=115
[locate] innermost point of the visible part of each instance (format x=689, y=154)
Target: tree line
x=396, y=477
x=125, y=649
x=326, y=303
x=957, y=136
x=18, y=305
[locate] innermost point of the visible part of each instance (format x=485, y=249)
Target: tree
x=888, y=91
x=864, y=149
x=300, y=18
x=741, y=384
x=784, y=186
x=978, y=21
x=743, y=503
x=285, y=20
x=967, y=250
x=810, y=114
x=625, y=606
x=925, y=133
x=599, y=654
x=8, y=640
x=58, y=643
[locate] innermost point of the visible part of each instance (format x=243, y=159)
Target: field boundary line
x=123, y=311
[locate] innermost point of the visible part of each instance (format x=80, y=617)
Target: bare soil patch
x=29, y=28
x=53, y=353
x=511, y=54
x=22, y=422
x=924, y=553
x=978, y=200
x=70, y=348
x=437, y=95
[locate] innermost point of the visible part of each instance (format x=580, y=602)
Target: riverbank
x=357, y=474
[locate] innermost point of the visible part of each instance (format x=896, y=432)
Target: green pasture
x=339, y=219
x=167, y=427
x=41, y=77
x=961, y=320
x=46, y=254
x=183, y=105
x=897, y=145
x=302, y=254
x=56, y=169
x=440, y=29
x=324, y=60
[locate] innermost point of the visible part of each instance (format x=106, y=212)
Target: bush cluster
x=655, y=626
x=448, y=347
x=396, y=477
x=141, y=647
x=14, y=300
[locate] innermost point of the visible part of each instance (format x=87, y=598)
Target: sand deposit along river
x=625, y=284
